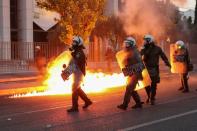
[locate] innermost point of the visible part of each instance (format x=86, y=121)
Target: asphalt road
x=174, y=111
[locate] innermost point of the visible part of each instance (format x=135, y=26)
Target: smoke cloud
x=142, y=17
x=179, y=2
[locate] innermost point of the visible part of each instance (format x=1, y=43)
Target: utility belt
x=179, y=58
x=133, y=69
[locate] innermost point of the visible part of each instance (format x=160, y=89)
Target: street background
x=174, y=111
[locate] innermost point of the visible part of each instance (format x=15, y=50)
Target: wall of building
x=112, y=7
x=22, y=32
x=5, y=48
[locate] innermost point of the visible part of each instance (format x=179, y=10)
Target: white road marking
x=35, y=111
x=159, y=120
x=9, y=119
x=66, y=106
x=48, y=126
x=41, y=110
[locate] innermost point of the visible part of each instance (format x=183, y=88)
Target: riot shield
x=146, y=80
x=68, y=63
x=122, y=59
x=177, y=59
x=68, y=70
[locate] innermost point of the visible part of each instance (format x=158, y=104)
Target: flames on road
x=93, y=82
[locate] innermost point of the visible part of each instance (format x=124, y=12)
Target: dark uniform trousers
x=154, y=75
x=77, y=91
x=76, y=94
x=184, y=81
x=130, y=90
x=151, y=90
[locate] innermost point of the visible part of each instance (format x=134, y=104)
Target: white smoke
x=146, y=16
x=179, y=2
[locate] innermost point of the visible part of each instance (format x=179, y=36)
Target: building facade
x=18, y=24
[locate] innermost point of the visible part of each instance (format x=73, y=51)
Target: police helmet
x=148, y=39
x=180, y=44
x=129, y=42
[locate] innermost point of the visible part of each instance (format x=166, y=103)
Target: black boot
x=87, y=104
x=138, y=105
x=181, y=88
x=122, y=107
x=85, y=98
x=148, y=91
x=185, y=91
x=137, y=100
x=152, y=102
x=73, y=110
x=147, y=100
x=127, y=97
x=153, y=93
x=182, y=84
x=185, y=82
x=75, y=96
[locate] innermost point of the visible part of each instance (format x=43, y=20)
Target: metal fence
x=26, y=50
x=19, y=57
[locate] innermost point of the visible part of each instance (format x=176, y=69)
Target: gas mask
x=74, y=46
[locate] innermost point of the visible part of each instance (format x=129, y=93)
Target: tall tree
x=77, y=17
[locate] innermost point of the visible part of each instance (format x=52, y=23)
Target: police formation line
x=136, y=66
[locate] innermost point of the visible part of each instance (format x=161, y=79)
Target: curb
x=18, y=79
x=15, y=79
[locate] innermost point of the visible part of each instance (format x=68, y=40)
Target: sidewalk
x=16, y=77
x=18, y=83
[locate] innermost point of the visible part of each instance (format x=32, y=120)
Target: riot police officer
x=150, y=55
x=183, y=54
x=79, y=60
x=132, y=77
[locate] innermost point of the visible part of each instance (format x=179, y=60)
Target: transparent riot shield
x=68, y=70
x=68, y=64
x=122, y=59
x=146, y=80
x=177, y=59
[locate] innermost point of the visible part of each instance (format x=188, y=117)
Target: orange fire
x=92, y=83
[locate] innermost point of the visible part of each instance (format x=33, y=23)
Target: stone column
x=102, y=52
x=25, y=29
x=111, y=7
x=5, y=44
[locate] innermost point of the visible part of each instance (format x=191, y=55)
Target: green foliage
x=78, y=17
